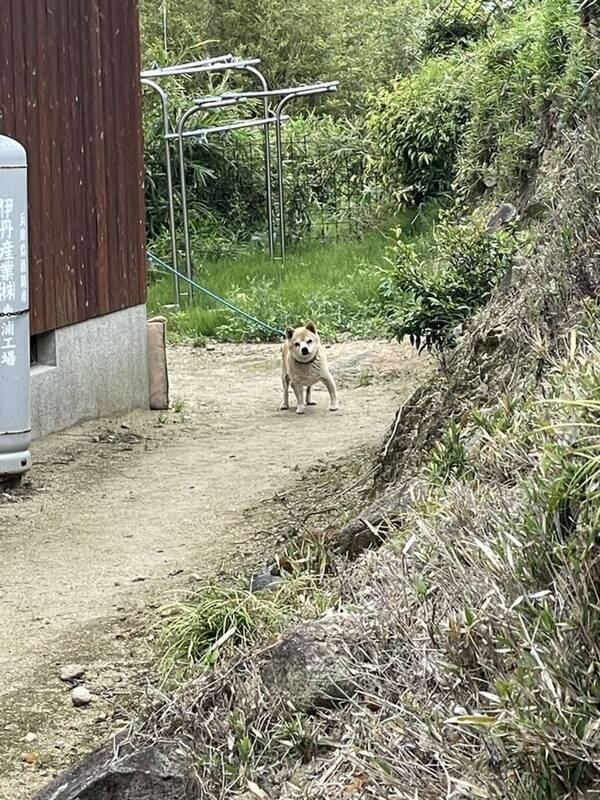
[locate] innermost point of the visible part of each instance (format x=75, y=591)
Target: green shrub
x=481, y=116
x=427, y=297
x=324, y=180
x=521, y=80
x=217, y=616
x=449, y=458
x=458, y=25
x=416, y=128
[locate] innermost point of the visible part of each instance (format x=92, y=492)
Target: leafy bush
x=427, y=298
x=522, y=80
x=218, y=615
x=458, y=25
x=416, y=128
x=449, y=458
x=480, y=116
x=324, y=177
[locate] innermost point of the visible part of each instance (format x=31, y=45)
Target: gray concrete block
x=97, y=368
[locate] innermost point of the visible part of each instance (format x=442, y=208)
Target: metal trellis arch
x=177, y=132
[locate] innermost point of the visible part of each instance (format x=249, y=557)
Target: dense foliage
x=479, y=116
x=415, y=129
x=428, y=299
x=471, y=127
x=361, y=44
x=451, y=105
x=463, y=21
x=524, y=80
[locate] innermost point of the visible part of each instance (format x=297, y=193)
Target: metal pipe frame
x=179, y=69
x=169, y=172
x=184, y=203
x=218, y=102
x=217, y=64
x=180, y=135
x=224, y=63
x=228, y=99
x=252, y=70
x=322, y=89
x=233, y=98
x=312, y=88
x=250, y=67
x=230, y=126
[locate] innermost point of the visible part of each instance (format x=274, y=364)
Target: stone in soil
x=81, y=697
x=261, y=581
x=71, y=672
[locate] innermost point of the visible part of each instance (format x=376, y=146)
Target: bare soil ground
x=119, y=516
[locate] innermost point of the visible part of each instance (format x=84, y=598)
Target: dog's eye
x=309, y=341
x=296, y=344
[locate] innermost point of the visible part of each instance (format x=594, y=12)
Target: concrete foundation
x=93, y=369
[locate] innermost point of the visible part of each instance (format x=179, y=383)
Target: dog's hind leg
x=309, y=400
x=330, y=384
x=285, y=379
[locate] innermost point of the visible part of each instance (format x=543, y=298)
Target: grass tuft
x=216, y=618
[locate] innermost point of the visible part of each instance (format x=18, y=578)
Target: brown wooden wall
x=70, y=92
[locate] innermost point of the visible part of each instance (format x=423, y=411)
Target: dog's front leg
x=309, y=400
x=330, y=384
x=286, y=392
x=297, y=387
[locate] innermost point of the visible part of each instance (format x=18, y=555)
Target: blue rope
x=216, y=297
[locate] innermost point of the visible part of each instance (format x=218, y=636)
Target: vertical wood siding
x=70, y=92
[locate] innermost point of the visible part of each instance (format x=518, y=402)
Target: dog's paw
x=300, y=410
x=334, y=408
x=311, y=402
x=284, y=407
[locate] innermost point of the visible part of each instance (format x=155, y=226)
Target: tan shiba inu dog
x=303, y=365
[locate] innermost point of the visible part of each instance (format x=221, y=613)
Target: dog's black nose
x=305, y=351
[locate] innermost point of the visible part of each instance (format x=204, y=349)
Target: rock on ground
x=71, y=672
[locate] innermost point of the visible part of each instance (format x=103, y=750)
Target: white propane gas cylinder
x=15, y=412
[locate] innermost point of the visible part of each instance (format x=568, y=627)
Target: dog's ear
x=310, y=326
x=289, y=332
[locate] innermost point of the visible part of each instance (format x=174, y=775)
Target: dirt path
x=119, y=515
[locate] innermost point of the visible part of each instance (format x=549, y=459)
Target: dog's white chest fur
x=307, y=374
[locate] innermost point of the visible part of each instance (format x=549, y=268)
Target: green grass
x=200, y=628
x=334, y=284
